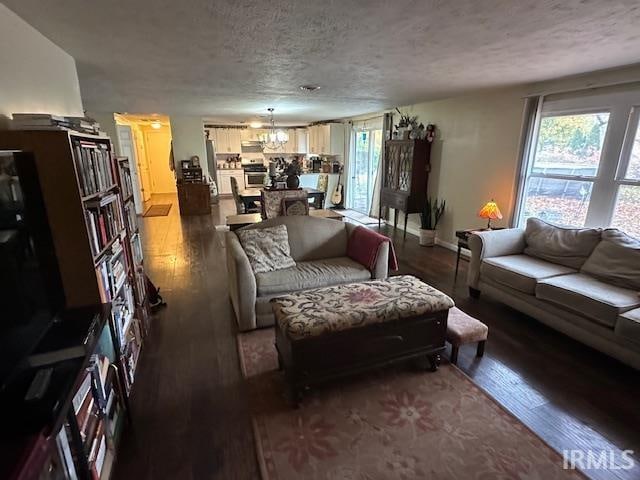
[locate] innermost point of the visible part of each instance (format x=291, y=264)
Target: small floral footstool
x=330, y=332
x=463, y=329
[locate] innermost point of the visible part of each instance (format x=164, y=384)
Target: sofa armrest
x=492, y=243
x=242, y=283
x=381, y=270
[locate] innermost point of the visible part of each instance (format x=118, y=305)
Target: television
x=30, y=285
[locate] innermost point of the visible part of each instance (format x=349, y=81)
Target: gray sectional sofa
x=319, y=248
x=583, y=282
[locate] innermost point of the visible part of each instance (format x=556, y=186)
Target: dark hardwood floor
x=190, y=408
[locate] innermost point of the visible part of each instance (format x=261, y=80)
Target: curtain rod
x=367, y=119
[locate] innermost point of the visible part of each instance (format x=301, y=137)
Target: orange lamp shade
x=490, y=211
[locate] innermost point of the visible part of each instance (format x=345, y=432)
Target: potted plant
x=405, y=125
x=293, y=172
x=429, y=218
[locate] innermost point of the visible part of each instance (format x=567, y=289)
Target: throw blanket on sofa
x=364, y=245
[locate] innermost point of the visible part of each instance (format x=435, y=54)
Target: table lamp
x=491, y=212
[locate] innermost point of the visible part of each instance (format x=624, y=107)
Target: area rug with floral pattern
x=395, y=423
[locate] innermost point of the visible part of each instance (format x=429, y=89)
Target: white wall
x=37, y=75
x=187, y=134
x=108, y=125
x=474, y=156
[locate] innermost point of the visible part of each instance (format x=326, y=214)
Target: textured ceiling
x=232, y=59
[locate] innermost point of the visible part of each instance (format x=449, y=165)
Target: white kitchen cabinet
x=224, y=180
x=313, y=139
x=331, y=139
x=292, y=145
x=326, y=139
x=235, y=140
x=220, y=139
x=227, y=140
x=302, y=140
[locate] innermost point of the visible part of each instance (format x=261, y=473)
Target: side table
x=463, y=241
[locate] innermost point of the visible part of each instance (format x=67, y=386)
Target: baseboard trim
x=448, y=245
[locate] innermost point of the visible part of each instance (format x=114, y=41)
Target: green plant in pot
x=429, y=218
x=293, y=172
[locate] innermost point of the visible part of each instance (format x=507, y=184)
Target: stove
x=255, y=175
x=254, y=167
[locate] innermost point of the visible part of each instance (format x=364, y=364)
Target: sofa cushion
x=616, y=260
x=628, y=325
x=314, y=274
x=267, y=248
x=564, y=246
x=521, y=272
x=588, y=296
x=310, y=238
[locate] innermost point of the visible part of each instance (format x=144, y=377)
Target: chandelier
x=274, y=139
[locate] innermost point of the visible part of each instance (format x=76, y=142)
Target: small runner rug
x=359, y=217
x=159, y=210
x=395, y=423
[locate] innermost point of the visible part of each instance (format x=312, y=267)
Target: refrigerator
x=212, y=167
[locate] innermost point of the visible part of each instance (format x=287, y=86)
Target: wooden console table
x=194, y=199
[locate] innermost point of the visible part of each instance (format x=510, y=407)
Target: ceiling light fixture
x=274, y=139
x=309, y=88
x=156, y=125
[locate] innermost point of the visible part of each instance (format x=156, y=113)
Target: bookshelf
x=89, y=202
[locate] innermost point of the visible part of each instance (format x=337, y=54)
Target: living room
x=315, y=335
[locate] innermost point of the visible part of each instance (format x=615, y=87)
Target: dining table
x=243, y=219
x=251, y=195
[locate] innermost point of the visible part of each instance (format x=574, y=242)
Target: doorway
x=363, y=168
x=147, y=140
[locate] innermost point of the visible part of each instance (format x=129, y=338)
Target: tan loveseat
x=319, y=248
x=584, y=283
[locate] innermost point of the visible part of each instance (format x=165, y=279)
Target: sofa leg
x=480, y=351
x=454, y=355
x=474, y=293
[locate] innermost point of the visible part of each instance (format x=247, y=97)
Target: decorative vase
x=403, y=133
x=427, y=238
x=293, y=181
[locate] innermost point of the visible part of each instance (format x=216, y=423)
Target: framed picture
x=185, y=164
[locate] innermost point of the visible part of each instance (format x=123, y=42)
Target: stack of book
x=122, y=310
x=45, y=121
x=131, y=353
x=131, y=217
x=96, y=406
x=94, y=166
x=126, y=183
x=136, y=250
x=104, y=222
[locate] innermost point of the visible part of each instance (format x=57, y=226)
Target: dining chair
x=241, y=207
x=271, y=201
x=323, y=186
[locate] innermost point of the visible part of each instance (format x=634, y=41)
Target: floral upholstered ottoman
x=334, y=331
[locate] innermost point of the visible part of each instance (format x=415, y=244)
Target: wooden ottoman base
x=331, y=332
x=315, y=360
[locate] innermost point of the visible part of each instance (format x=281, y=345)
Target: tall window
x=583, y=165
